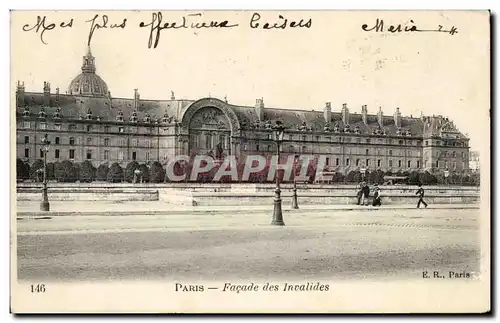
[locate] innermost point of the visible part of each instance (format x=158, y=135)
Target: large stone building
x=88, y=123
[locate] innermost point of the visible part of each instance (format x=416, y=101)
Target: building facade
x=87, y=123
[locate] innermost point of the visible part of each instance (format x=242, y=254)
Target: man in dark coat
x=366, y=194
x=376, y=197
x=420, y=193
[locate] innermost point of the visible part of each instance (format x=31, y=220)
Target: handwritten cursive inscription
x=156, y=26
x=282, y=23
x=96, y=24
x=400, y=28
x=42, y=25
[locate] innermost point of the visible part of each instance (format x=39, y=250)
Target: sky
x=293, y=68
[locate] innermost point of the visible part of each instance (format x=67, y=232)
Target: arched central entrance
x=210, y=133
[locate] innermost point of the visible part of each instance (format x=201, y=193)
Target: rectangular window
x=347, y=162
x=26, y=152
x=89, y=141
x=148, y=143
x=437, y=163
x=367, y=152
x=134, y=142
x=268, y=147
x=106, y=129
x=418, y=163
x=303, y=138
x=336, y=162
x=327, y=161
x=368, y=141
x=72, y=141
x=26, y=124
x=390, y=152
x=57, y=140
x=120, y=129
x=367, y=162
x=257, y=147
x=106, y=154
x=147, y=155
x=106, y=141
x=71, y=127
x=134, y=155
x=57, y=127
x=71, y=154
x=43, y=126
x=357, y=162
x=89, y=127
x=409, y=163
x=89, y=154
x=379, y=162
x=56, y=153
x=26, y=139
x=208, y=141
x=399, y=163
x=454, y=165
x=120, y=155
x=41, y=153
x=317, y=138
x=390, y=162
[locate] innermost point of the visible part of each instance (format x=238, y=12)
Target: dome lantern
x=88, y=83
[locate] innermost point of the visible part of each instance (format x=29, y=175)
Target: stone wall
x=240, y=194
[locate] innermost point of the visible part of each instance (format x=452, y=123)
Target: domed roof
x=88, y=82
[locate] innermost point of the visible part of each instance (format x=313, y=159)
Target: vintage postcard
x=250, y=161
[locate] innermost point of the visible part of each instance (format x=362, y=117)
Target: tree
x=65, y=172
x=354, y=176
x=102, y=172
x=129, y=171
x=427, y=178
x=87, y=172
x=377, y=176
x=115, y=173
x=414, y=178
x=37, y=169
x=50, y=171
x=22, y=169
x=144, y=172
x=156, y=173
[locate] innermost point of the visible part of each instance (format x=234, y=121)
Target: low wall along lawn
x=239, y=194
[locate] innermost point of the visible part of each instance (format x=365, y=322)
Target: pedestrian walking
x=376, y=197
x=365, y=192
x=420, y=192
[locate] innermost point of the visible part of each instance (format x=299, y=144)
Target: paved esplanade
x=348, y=244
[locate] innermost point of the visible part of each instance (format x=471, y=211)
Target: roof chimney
x=345, y=113
x=327, y=112
x=364, y=113
x=259, y=108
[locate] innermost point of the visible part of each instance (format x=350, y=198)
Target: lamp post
x=137, y=173
x=295, y=204
x=278, y=214
x=45, y=205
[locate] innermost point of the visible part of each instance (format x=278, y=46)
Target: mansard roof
x=107, y=109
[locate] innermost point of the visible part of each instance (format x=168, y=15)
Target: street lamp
x=279, y=131
x=45, y=205
x=295, y=204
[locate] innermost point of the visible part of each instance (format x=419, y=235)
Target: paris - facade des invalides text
x=88, y=124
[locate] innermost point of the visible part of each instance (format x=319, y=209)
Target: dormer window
x=147, y=118
x=119, y=117
x=347, y=128
x=166, y=118
x=89, y=115
x=356, y=130
x=336, y=128
x=57, y=114
x=26, y=112
x=408, y=133
x=42, y=114
x=326, y=128
x=303, y=127
x=133, y=118
x=98, y=118
x=398, y=132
